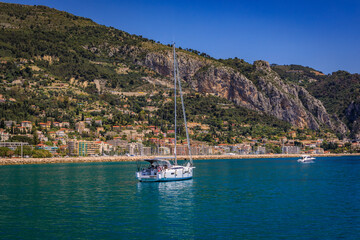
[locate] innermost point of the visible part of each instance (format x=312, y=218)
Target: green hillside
x=60, y=67
x=298, y=74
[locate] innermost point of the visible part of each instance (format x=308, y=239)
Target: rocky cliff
x=353, y=115
x=267, y=92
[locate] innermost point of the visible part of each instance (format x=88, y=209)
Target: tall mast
x=175, y=99
x=183, y=108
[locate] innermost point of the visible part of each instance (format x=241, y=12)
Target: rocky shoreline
x=21, y=161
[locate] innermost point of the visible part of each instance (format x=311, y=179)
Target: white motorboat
x=306, y=159
x=163, y=170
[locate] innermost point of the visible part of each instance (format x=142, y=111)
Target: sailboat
x=168, y=169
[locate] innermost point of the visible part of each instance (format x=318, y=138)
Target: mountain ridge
x=77, y=49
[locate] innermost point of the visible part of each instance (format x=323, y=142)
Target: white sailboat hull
x=175, y=173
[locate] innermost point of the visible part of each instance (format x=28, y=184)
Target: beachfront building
x=146, y=151
x=242, y=149
x=164, y=151
x=83, y=148
x=207, y=150
x=13, y=145
x=51, y=149
x=316, y=151
x=105, y=147
x=290, y=150
x=135, y=149
x=261, y=150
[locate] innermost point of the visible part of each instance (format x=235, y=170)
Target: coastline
x=22, y=161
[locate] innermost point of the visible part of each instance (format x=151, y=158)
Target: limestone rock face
x=353, y=115
x=266, y=93
x=225, y=82
x=356, y=129
x=163, y=63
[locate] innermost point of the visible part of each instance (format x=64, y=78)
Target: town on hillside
x=90, y=138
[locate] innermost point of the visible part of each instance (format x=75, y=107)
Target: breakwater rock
x=21, y=161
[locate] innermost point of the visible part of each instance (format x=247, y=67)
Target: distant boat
x=306, y=159
x=162, y=169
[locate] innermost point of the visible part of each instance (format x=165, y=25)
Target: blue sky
x=321, y=34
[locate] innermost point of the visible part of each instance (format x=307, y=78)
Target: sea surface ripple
x=232, y=199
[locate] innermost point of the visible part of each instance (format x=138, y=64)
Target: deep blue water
x=232, y=199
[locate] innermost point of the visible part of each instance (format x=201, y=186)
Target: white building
x=290, y=150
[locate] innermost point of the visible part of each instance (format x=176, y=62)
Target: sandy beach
x=19, y=161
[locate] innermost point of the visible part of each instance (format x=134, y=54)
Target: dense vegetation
x=50, y=62
x=298, y=74
x=337, y=91
x=242, y=66
x=67, y=46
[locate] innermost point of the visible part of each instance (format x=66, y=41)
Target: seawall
x=19, y=161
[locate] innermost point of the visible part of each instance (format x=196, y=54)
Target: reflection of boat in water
x=306, y=159
x=176, y=188
x=163, y=170
x=164, y=203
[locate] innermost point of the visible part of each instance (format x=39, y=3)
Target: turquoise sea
x=227, y=199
